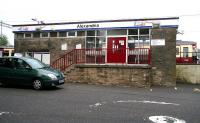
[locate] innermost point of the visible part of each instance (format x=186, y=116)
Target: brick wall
x=110, y=75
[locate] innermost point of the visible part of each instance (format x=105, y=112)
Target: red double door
x=116, y=50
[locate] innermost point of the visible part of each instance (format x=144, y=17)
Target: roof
x=180, y=42
x=99, y=21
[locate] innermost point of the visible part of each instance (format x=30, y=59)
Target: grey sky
x=21, y=11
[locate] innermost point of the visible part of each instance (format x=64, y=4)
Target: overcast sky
x=22, y=11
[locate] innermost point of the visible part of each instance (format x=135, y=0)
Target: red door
x=116, y=50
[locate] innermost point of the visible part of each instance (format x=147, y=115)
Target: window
x=144, y=31
x=6, y=62
x=101, y=33
x=72, y=34
x=177, y=51
x=53, y=34
x=144, y=42
x=133, y=32
x=131, y=41
x=45, y=34
x=90, y=42
x=36, y=35
x=117, y=32
x=81, y=33
x=62, y=34
x=100, y=42
x=185, y=52
x=27, y=35
x=20, y=64
x=91, y=33
x=96, y=39
x=19, y=35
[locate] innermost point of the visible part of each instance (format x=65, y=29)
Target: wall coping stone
x=136, y=66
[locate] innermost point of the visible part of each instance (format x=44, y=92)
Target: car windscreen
x=34, y=63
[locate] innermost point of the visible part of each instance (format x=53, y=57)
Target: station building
x=135, y=52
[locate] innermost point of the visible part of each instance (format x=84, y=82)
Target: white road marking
x=132, y=101
x=145, y=101
x=1, y=113
x=165, y=119
x=97, y=104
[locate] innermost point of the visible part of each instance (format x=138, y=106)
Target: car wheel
x=37, y=84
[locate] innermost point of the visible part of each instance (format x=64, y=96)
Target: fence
x=100, y=56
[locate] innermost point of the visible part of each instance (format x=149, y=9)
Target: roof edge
x=99, y=21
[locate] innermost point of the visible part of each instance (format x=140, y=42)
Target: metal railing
x=100, y=56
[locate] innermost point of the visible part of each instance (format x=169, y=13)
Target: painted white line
x=97, y=104
x=145, y=101
x=1, y=113
x=165, y=119
x=132, y=101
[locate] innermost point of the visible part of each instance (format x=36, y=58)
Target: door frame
x=116, y=36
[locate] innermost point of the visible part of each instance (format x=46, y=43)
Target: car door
x=23, y=73
x=6, y=70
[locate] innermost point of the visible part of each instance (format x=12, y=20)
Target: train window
x=185, y=52
x=177, y=51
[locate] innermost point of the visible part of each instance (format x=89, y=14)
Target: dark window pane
x=36, y=35
x=62, y=34
x=53, y=34
x=133, y=31
x=185, y=52
x=27, y=35
x=144, y=31
x=45, y=34
x=19, y=35
x=71, y=34
x=81, y=33
x=90, y=33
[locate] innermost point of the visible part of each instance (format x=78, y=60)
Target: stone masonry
x=52, y=45
x=163, y=58
x=121, y=75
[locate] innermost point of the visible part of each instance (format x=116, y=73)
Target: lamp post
x=36, y=20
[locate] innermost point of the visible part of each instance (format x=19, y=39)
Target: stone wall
x=111, y=75
x=52, y=45
x=164, y=57
x=188, y=74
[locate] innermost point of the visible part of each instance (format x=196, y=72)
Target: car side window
x=20, y=64
x=8, y=63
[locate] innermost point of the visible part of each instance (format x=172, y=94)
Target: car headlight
x=52, y=76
